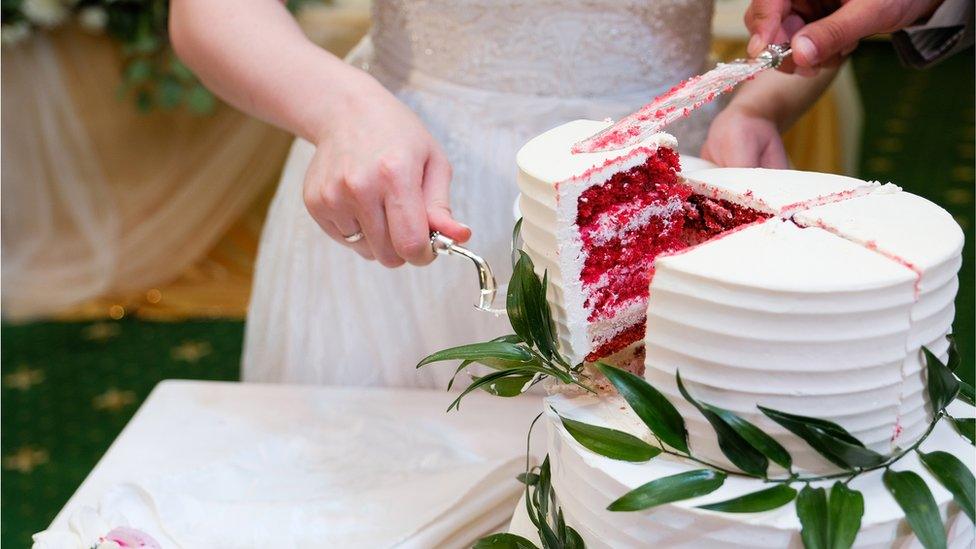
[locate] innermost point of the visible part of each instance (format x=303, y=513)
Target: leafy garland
x=828, y=518
x=542, y=509
x=528, y=356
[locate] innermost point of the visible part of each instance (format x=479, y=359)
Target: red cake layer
x=649, y=185
x=619, y=246
x=627, y=264
x=621, y=340
x=705, y=218
x=656, y=177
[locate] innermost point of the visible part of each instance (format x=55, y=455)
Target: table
x=184, y=425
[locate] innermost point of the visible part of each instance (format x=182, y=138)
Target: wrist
x=746, y=109
x=348, y=91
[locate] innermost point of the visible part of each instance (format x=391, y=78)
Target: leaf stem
x=850, y=474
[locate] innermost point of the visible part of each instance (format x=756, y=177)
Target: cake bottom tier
x=585, y=483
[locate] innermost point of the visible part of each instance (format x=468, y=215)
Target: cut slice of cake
x=596, y=222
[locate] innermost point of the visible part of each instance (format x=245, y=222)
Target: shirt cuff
x=925, y=44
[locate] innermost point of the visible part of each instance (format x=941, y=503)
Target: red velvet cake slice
x=597, y=221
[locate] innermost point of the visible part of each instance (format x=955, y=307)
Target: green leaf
x=516, y=235
x=846, y=508
x=921, y=512
x=966, y=393
x=515, y=304
x=510, y=386
x=504, y=541
x=828, y=427
x=537, y=309
x=942, y=383
x=756, y=502
x=573, y=539
x=547, y=329
x=495, y=363
x=486, y=381
x=529, y=479
x=650, y=405
x=542, y=497
x=811, y=509
x=966, y=427
x=953, y=361
x=501, y=350
x=170, y=92
x=954, y=476
x=610, y=443
x=180, y=70
x=144, y=101
x=828, y=439
x=755, y=436
x=736, y=448
x=138, y=71
x=533, y=308
x=200, y=100
x=668, y=489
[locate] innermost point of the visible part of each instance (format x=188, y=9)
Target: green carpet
x=69, y=388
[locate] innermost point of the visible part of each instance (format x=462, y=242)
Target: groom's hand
x=828, y=29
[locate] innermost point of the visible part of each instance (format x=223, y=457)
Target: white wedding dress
x=485, y=76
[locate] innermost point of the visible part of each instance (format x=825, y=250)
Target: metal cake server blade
x=681, y=100
x=442, y=245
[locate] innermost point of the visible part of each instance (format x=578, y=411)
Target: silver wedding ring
x=354, y=237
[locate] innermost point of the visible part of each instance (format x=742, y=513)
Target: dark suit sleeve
x=948, y=31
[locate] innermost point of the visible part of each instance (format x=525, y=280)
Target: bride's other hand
x=376, y=168
x=740, y=138
x=378, y=171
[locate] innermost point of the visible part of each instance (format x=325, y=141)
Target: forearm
x=256, y=58
x=781, y=97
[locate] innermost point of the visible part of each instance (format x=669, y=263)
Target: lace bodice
x=588, y=48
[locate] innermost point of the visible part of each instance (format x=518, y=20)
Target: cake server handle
x=443, y=245
x=774, y=54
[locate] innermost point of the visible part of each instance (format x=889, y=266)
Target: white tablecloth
x=231, y=465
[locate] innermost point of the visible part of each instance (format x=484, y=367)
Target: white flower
x=93, y=18
x=14, y=33
x=45, y=13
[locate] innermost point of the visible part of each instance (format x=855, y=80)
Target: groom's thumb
x=839, y=32
x=437, y=184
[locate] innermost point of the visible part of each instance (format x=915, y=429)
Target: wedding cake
x=805, y=293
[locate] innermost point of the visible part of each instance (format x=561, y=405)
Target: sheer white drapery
x=98, y=199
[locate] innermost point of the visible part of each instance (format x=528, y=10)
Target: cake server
x=681, y=100
x=443, y=245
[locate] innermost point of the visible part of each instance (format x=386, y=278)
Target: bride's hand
x=378, y=171
x=739, y=137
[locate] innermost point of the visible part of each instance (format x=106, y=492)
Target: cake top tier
x=548, y=157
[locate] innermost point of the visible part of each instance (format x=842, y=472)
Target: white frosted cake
x=803, y=292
